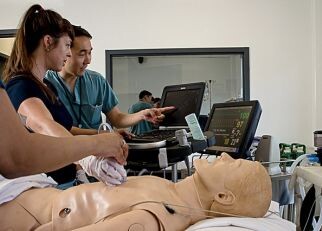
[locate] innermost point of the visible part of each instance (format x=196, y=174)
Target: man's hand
x=155, y=115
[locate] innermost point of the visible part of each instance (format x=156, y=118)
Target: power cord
x=308, y=218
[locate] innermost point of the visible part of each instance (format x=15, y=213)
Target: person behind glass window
x=145, y=102
x=156, y=102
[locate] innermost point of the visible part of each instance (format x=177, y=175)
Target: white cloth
x=81, y=176
x=11, y=188
x=268, y=223
x=106, y=170
x=312, y=174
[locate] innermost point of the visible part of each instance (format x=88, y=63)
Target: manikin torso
x=79, y=206
x=146, y=202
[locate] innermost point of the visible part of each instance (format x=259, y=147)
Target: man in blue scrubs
x=86, y=93
x=145, y=101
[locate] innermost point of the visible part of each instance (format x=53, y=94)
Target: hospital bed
x=271, y=221
x=302, y=179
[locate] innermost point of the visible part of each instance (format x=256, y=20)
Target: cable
x=103, y=127
x=192, y=210
x=308, y=218
x=272, y=212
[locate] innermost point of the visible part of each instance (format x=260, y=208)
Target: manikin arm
x=138, y=220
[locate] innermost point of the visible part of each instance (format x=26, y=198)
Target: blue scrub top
x=143, y=126
x=1, y=84
x=92, y=96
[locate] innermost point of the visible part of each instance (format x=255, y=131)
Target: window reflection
x=223, y=75
x=6, y=43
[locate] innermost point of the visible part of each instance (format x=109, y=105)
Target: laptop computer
x=187, y=99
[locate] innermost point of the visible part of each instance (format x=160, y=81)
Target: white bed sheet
x=270, y=222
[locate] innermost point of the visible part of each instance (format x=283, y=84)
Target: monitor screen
x=185, y=98
x=234, y=125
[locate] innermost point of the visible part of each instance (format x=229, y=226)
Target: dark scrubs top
x=21, y=88
x=1, y=84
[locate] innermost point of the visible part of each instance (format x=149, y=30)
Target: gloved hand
x=106, y=170
x=81, y=177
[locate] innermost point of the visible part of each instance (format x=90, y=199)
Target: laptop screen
x=186, y=98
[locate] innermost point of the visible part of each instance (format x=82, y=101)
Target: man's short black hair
x=156, y=100
x=144, y=93
x=79, y=31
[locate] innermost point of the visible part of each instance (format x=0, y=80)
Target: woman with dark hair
x=42, y=43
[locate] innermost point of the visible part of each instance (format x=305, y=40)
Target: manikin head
x=238, y=187
x=81, y=50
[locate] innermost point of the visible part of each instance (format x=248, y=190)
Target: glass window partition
x=225, y=71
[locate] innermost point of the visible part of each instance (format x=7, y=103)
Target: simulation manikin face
x=57, y=56
x=237, y=186
x=81, y=56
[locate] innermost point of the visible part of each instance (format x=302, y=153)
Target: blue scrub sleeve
x=110, y=100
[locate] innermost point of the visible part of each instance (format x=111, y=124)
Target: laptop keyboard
x=158, y=135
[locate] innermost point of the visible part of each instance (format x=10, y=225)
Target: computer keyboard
x=167, y=137
x=158, y=135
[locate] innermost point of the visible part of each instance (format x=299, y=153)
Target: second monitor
x=234, y=125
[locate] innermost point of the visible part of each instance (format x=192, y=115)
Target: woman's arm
x=39, y=119
x=23, y=153
x=81, y=131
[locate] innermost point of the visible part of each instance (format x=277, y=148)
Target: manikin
x=226, y=187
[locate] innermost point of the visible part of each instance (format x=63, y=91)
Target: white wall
x=284, y=37
x=318, y=64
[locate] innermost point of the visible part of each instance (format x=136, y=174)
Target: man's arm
x=23, y=153
x=122, y=120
